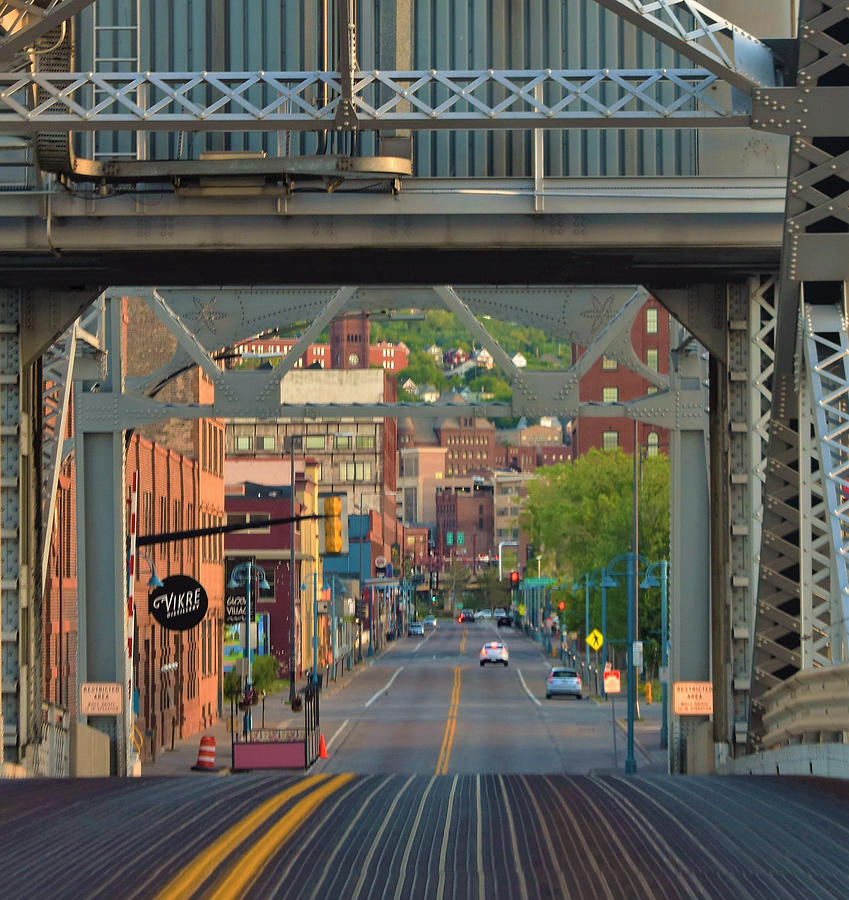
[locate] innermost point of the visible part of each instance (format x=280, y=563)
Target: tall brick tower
x=349, y=342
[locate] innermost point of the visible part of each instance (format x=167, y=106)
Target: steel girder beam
x=815, y=255
x=827, y=383
x=699, y=34
x=204, y=321
x=25, y=21
x=69, y=357
x=419, y=100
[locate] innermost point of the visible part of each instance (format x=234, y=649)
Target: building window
x=609, y=365
x=365, y=442
x=314, y=442
x=609, y=440
x=651, y=320
x=653, y=442
x=651, y=359
x=265, y=442
x=610, y=395
x=244, y=442
x=343, y=442
x=355, y=471
x=651, y=390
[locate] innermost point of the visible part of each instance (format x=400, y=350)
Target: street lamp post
x=649, y=581
x=243, y=573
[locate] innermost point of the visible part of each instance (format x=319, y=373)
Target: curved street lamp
x=243, y=574
x=650, y=581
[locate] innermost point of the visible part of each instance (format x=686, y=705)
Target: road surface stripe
x=518, y=862
x=386, y=687
x=443, y=852
x=546, y=835
x=479, y=840
x=402, y=874
x=336, y=734
x=527, y=691
x=450, y=725
x=190, y=878
x=463, y=640
x=376, y=840
x=237, y=881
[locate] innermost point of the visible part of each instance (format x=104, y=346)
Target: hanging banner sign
x=235, y=609
x=180, y=604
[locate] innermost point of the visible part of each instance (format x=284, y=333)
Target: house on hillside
x=519, y=360
x=454, y=357
x=483, y=358
x=410, y=386
x=435, y=352
x=429, y=394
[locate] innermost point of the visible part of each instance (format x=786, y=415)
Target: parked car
x=494, y=652
x=504, y=621
x=416, y=629
x=563, y=681
x=429, y=623
x=483, y=614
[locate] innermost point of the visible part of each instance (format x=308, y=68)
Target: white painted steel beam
x=419, y=100
x=702, y=36
x=25, y=21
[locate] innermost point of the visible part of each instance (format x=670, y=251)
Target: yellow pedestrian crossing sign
x=595, y=639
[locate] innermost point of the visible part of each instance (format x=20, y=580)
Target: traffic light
x=561, y=606
x=514, y=580
x=332, y=525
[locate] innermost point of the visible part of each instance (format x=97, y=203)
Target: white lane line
x=519, y=673
x=386, y=687
x=422, y=643
x=479, y=840
x=336, y=734
x=440, y=884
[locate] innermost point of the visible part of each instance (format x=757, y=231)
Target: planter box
x=269, y=755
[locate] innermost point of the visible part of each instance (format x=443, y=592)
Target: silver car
x=563, y=681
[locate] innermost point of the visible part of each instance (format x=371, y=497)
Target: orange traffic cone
x=206, y=755
x=322, y=749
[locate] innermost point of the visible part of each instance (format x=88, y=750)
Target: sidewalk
x=183, y=757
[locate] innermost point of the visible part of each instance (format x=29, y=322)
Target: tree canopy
x=581, y=515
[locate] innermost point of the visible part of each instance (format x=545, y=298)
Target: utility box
x=90, y=752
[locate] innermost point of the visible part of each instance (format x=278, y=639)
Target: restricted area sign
x=595, y=639
x=101, y=698
x=692, y=698
x=612, y=684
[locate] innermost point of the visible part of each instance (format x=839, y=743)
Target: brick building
x=465, y=523
x=177, y=675
x=608, y=382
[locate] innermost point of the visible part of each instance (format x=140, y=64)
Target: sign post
x=612, y=687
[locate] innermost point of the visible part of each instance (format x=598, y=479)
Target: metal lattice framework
x=703, y=36
x=23, y=22
x=265, y=101
x=827, y=358
x=814, y=259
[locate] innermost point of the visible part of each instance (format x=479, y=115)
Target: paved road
x=427, y=706
x=444, y=780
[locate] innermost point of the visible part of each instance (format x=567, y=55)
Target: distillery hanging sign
x=180, y=603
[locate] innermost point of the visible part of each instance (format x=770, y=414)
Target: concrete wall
x=89, y=752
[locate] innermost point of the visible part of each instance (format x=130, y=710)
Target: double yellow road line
x=450, y=725
x=237, y=878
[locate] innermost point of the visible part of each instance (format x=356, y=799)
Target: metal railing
x=810, y=707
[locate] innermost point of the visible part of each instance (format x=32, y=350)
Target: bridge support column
x=101, y=563
x=690, y=552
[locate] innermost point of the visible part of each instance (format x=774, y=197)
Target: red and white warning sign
x=612, y=683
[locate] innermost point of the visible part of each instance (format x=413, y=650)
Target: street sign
x=449, y=538
x=595, y=639
x=692, y=698
x=612, y=682
x=461, y=537
x=323, y=607
x=638, y=654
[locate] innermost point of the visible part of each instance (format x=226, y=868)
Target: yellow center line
x=189, y=879
x=450, y=726
x=236, y=882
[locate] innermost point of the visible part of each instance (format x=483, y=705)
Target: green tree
x=494, y=591
x=454, y=580
x=232, y=685
x=581, y=514
x=264, y=673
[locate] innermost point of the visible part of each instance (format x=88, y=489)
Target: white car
x=483, y=614
x=500, y=613
x=416, y=628
x=494, y=652
x=563, y=681
x=429, y=623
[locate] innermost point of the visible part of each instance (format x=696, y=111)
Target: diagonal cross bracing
x=422, y=100
x=699, y=34
x=24, y=21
